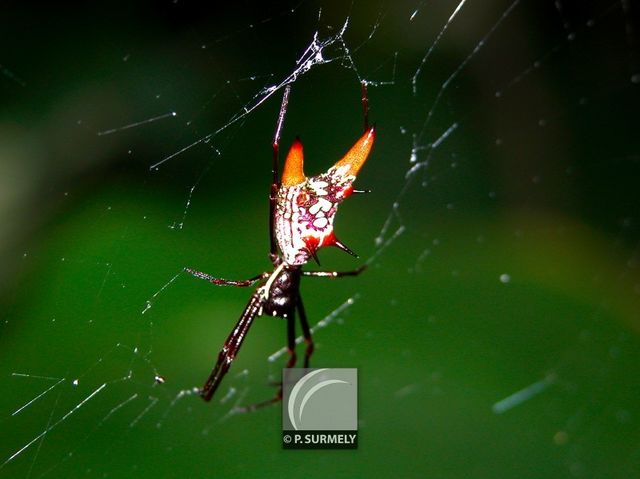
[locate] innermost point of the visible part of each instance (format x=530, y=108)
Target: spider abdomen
x=283, y=293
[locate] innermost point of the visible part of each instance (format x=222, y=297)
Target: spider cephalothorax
x=305, y=207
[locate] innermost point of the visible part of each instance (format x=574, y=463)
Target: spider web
x=499, y=309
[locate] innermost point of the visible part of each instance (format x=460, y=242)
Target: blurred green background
x=496, y=331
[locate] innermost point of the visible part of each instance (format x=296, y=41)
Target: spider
x=301, y=211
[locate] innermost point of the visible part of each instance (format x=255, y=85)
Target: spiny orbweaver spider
x=302, y=210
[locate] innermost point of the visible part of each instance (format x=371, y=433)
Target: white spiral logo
x=296, y=419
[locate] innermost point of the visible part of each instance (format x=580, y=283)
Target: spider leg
x=306, y=332
x=291, y=347
x=291, y=339
x=260, y=405
x=232, y=346
x=335, y=274
x=226, y=282
x=365, y=105
x=275, y=183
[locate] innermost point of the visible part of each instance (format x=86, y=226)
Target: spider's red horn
x=358, y=154
x=293, y=173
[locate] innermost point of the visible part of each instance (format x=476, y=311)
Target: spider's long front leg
x=275, y=183
x=232, y=345
x=226, y=282
x=365, y=105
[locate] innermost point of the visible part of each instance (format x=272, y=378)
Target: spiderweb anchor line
x=138, y=123
x=50, y=388
x=313, y=55
x=48, y=429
